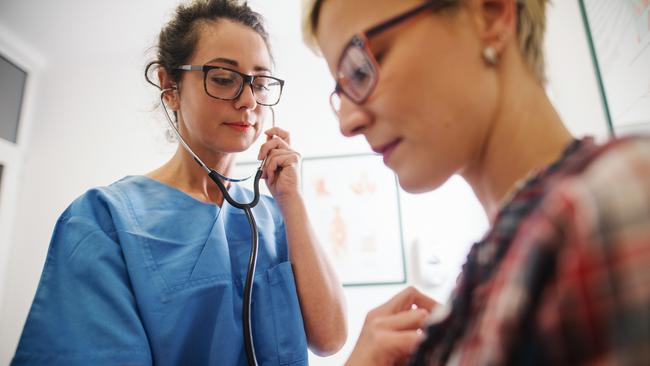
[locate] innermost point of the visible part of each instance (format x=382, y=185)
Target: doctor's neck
x=183, y=173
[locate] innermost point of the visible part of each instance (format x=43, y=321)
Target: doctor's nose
x=246, y=98
x=353, y=120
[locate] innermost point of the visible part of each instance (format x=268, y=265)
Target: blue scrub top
x=141, y=273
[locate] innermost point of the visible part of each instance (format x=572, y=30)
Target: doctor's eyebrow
x=236, y=64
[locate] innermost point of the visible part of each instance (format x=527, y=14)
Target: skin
x=203, y=122
x=450, y=113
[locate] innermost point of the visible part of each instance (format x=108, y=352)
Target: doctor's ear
x=169, y=88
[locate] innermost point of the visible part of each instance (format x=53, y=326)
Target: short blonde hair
x=531, y=25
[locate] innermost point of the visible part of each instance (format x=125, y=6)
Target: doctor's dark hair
x=178, y=38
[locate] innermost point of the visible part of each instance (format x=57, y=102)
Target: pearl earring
x=490, y=56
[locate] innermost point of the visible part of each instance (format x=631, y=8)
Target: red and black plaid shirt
x=563, y=275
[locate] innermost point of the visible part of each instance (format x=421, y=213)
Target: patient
x=444, y=87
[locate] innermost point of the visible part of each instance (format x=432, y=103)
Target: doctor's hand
x=282, y=164
x=392, y=331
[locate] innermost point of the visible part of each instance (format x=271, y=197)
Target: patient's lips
x=386, y=150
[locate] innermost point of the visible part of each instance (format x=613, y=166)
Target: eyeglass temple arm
x=436, y=4
x=190, y=67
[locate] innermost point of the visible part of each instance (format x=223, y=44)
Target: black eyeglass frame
x=362, y=41
x=246, y=80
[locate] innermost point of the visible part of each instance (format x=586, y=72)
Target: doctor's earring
x=490, y=56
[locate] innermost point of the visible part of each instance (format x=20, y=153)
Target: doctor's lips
x=387, y=149
x=240, y=126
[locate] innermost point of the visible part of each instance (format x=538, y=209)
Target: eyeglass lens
x=226, y=84
x=357, y=75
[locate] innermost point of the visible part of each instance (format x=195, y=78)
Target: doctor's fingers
x=406, y=299
x=277, y=131
x=280, y=158
x=280, y=161
x=274, y=153
x=270, y=145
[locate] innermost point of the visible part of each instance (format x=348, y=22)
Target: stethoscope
x=247, y=207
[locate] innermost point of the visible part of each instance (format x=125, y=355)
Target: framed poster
x=619, y=36
x=354, y=206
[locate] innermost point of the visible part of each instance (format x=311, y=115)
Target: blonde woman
x=445, y=87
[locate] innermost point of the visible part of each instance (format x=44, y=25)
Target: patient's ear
x=171, y=97
x=496, y=22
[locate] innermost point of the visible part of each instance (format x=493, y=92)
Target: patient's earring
x=490, y=56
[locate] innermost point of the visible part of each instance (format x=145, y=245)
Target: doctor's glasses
x=227, y=84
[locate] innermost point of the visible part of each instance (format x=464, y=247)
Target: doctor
x=150, y=269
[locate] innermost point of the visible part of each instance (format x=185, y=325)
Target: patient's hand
x=392, y=331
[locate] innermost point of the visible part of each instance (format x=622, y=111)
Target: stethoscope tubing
x=249, y=346
x=217, y=178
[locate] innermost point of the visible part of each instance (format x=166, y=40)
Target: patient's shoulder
x=610, y=198
x=617, y=182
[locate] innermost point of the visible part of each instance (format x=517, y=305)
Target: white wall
x=93, y=123
x=572, y=83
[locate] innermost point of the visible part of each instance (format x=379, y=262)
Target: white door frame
x=12, y=155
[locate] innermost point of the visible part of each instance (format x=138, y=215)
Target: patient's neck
x=526, y=135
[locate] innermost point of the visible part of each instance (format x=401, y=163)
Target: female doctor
x=151, y=268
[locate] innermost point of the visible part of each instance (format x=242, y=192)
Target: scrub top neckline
x=231, y=190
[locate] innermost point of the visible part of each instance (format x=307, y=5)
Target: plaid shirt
x=563, y=276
